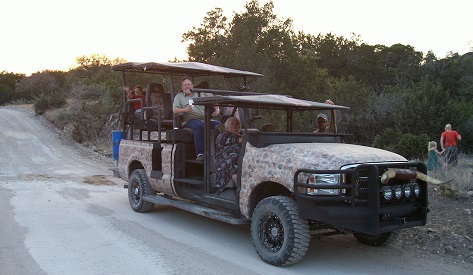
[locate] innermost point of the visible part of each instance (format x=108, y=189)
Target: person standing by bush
x=448, y=142
x=433, y=162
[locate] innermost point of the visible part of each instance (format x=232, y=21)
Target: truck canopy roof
x=266, y=101
x=181, y=68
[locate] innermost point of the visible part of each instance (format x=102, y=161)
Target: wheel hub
x=271, y=232
x=274, y=232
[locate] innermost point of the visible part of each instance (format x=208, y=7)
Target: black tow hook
x=384, y=216
x=423, y=210
x=401, y=220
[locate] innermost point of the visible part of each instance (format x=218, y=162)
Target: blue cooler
x=116, y=137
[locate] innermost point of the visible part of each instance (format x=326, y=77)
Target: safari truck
x=293, y=184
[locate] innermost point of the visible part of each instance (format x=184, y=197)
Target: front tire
x=138, y=186
x=373, y=240
x=279, y=235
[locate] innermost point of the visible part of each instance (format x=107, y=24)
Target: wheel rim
x=271, y=232
x=136, y=192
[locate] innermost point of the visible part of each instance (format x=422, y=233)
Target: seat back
x=154, y=97
x=158, y=99
x=167, y=104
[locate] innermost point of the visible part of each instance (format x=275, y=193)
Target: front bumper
x=358, y=205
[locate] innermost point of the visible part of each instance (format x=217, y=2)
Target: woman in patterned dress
x=227, y=153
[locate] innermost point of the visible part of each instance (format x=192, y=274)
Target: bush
x=386, y=140
x=45, y=102
x=408, y=145
x=37, y=85
x=92, y=91
x=89, y=123
x=412, y=146
x=6, y=94
x=65, y=116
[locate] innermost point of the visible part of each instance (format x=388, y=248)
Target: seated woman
x=227, y=152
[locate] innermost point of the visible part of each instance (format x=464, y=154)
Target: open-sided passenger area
x=196, y=179
x=155, y=116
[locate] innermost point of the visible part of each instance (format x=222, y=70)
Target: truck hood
x=322, y=156
x=279, y=162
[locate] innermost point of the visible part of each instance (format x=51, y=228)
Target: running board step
x=189, y=181
x=197, y=209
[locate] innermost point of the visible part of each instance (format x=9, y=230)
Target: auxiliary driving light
x=398, y=191
x=416, y=189
x=387, y=193
x=407, y=190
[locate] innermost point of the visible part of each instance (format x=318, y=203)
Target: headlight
x=387, y=193
x=398, y=191
x=323, y=179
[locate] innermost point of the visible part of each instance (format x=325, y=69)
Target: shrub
x=407, y=145
x=45, y=102
x=6, y=93
x=37, y=84
x=64, y=116
x=386, y=140
x=92, y=91
x=89, y=123
x=412, y=146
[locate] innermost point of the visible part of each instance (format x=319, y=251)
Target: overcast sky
x=49, y=34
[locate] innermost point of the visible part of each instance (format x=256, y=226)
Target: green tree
x=255, y=40
x=94, y=65
x=385, y=86
x=401, y=64
x=369, y=113
x=38, y=83
x=421, y=109
x=207, y=40
x=8, y=82
x=334, y=53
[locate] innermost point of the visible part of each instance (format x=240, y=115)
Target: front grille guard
x=358, y=206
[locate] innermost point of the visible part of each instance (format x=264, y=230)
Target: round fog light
x=398, y=191
x=387, y=193
x=416, y=189
x=407, y=191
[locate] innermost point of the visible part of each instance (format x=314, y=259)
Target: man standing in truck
x=193, y=115
x=322, y=121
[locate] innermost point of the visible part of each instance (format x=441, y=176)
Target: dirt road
x=66, y=214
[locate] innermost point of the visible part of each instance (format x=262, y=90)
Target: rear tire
x=138, y=186
x=279, y=235
x=373, y=240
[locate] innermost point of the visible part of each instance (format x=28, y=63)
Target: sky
x=42, y=35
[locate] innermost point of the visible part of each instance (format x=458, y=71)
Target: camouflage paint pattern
x=279, y=162
x=275, y=163
x=141, y=151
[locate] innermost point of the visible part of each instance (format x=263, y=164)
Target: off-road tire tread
x=141, y=206
x=297, y=242
x=373, y=240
